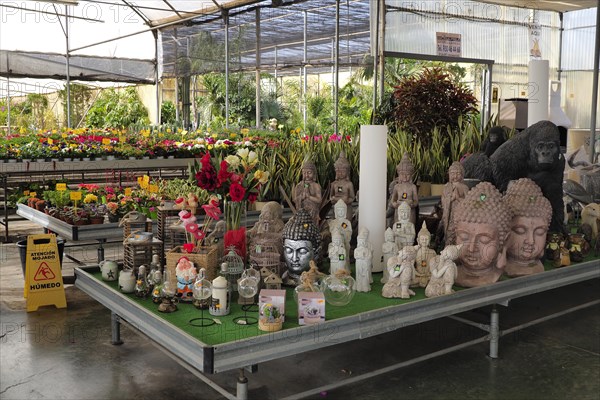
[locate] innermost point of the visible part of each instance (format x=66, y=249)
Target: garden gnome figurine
x=454, y=190
x=423, y=258
x=481, y=222
x=443, y=272
x=301, y=244
x=342, y=224
x=307, y=193
x=342, y=188
x=401, y=273
x=364, y=262
x=389, y=250
x=337, y=252
x=532, y=213
x=404, y=230
x=186, y=275
x=405, y=190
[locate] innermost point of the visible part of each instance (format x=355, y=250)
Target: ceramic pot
x=127, y=281
x=110, y=270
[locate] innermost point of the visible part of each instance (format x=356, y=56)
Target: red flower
x=193, y=228
x=199, y=235
x=237, y=192
x=213, y=211
x=223, y=175
x=188, y=247
x=207, y=178
x=252, y=197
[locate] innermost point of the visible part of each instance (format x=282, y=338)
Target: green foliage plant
x=117, y=109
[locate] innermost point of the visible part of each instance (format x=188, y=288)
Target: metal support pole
x=560, y=43
x=242, y=386
x=276, y=72
x=7, y=102
x=156, y=77
x=489, y=91
x=226, y=18
x=494, y=332
x=115, y=325
x=304, y=74
x=381, y=43
x=337, y=66
x=257, y=101
x=595, y=88
x=68, y=67
x=375, y=53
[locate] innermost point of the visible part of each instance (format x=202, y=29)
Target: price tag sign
x=32, y=194
x=75, y=196
x=26, y=193
x=61, y=187
x=153, y=188
x=128, y=191
x=106, y=141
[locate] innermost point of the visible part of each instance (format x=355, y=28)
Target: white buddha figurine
x=402, y=272
x=424, y=256
x=404, y=230
x=342, y=224
x=389, y=248
x=338, y=255
x=443, y=272
x=364, y=261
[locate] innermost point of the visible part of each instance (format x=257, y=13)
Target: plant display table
x=228, y=346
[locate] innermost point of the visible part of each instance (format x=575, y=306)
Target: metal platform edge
x=360, y=326
x=180, y=344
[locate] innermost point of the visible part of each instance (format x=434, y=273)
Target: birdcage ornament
x=232, y=266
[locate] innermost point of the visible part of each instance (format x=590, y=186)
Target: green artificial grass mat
x=229, y=331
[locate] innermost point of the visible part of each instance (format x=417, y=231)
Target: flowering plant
x=195, y=232
x=237, y=180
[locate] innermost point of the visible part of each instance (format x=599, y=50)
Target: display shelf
x=234, y=350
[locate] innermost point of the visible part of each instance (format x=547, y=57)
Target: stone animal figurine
x=590, y=216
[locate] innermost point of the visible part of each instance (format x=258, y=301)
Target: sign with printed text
x=75, y=196
x=448, y=44
x=43, y=277
x=61, y=187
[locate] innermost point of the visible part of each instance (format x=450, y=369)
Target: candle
x=219, y=304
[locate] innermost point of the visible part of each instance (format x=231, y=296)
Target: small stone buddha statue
x=364, y=263
x=342, y=188
x=423, y=258
x=307, y=193
x=454, y=190
x=404, y=229
x=401, y=272
x=481, y=222
x=342, y=224
x=389, y=249
x=532, y=213
x=405, y=190
x=301, y=244
x=268, y=228
x=337, y=252
x=443, y=272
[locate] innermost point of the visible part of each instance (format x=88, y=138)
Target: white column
x=538, y=76
x=372, y=190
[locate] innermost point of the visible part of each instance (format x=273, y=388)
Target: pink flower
x=199, y=235
x=212, y=211
x=191, y=227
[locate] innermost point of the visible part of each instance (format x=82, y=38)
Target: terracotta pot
x=96, y=220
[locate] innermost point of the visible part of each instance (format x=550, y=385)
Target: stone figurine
x=342, y=188
x=526, y=242
x=423, y=257
x=270, y=219
x=307, y=193
x=402, y=272
x=404, y=189
x=481, y=221
x=443, y=272
x=364, y=233
x=389, y=248
x=343, y=225
x=301, y=244
x=364, y=262
x=404, y=229
x=454, y=190
x=338, y=254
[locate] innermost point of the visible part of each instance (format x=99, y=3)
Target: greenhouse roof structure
x=117, y=40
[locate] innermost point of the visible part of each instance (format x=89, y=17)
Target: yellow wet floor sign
x=43, y=277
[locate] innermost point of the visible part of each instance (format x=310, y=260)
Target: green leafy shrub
x=119, y=109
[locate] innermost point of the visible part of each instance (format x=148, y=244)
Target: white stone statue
x=404, y=230
x=364, y=263
x=338, y=255
x=389, y=248
x=424, y=256
x=342, y=224
x=443, y=272
x=364, y=233
x=402, y=272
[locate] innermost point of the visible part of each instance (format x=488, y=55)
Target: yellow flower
x=245, y=131
x=233, y=135
x=298, y=130
x=168, y=130
x=90, y=198
x=261, y=176
x=214, y=136
x=292, y=131
x=233, y=161
x=252, y=158
x=210, y=146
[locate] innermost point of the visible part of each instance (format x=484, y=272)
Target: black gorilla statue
x=533, y=153
x=496, y=137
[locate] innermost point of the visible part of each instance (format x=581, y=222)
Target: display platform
x=228, y=346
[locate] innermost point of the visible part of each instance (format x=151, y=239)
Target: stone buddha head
x=481, y=222
x=301, y=244
x=405, y=169
x=342, y=167
x=456, y=172
x=424, y=237
x=532, y=213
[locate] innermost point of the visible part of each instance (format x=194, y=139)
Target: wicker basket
x=265, y=326
x=206, y=257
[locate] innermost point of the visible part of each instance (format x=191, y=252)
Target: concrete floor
x=66, y=353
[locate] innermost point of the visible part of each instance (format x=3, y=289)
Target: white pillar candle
x=538, y=76
x=219, y=296
x=373, y=192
